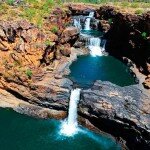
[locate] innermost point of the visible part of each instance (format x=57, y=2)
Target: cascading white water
x=94, y=46
x=88, y=20
x=104, y=44
x=70, y=125
x=77, y=23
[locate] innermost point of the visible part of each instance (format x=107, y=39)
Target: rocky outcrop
x=146, y=83
x=33, y=60
x=26, y=50
x=69, y=34
x=120, y=111
x=80, y=9
x=47, y=88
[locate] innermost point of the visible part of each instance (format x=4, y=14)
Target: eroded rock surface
x=120, y=111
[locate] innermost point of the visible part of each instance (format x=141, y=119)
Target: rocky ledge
x=123, y=112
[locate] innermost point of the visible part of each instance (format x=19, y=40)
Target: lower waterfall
x=70, y=125
x=94, y=45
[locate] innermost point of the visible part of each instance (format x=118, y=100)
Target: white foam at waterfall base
x=94, y=45
x=95, y=51
x=70, y=125
x=88, y=20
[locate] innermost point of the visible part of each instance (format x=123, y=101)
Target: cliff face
x=26, y=50
x=128, y=36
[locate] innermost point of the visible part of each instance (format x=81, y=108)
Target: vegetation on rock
x=29, y=73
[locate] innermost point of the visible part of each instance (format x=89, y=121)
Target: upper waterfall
x=88, y=20
x=70, y=125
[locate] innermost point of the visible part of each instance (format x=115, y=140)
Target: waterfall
x=94, y=45
x=77, y=23
x=103, y=46
x=70, y=125
x=88, y=20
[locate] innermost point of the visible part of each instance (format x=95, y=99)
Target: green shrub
x=48, y=43
x=29, y=13
x=134, y=5
x=10, y=2
x=29, y=73
x=110, y=20
x=54, y=29
x=144, y=35
x=40, y=22
x=139, y=11
x=49, y=2
x=125, y=4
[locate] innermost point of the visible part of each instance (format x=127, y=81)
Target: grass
x=139, y=11
x=36, y=10
x=134, y=5
x=32, y=10
x=10, y=2
x=124, y=4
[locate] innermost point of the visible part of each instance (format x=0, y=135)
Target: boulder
x=70, y=34
x=146, y=83
x=65, y=49
x=80, y=9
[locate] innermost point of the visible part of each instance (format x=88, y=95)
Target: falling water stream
x=70, y=125
x=77, y=23
x=94, y=45
x=88, y=21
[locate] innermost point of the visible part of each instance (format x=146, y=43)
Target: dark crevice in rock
x=46, y=53
x=17, y=95
x=133, y=137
